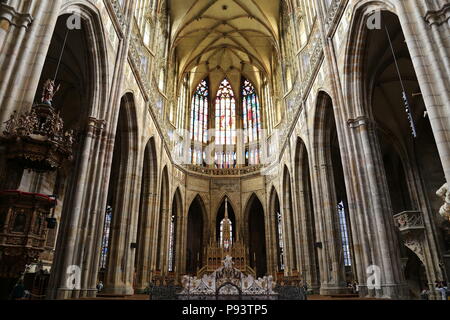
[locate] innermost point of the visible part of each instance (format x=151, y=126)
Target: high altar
x=217, y=252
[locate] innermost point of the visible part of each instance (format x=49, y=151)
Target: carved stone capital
x=15, y=18
x=95, y=126
x=438, y=17
x=358, y=122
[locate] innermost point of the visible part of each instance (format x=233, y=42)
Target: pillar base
x=392, y=292
x=331, y=291
x=118, y=291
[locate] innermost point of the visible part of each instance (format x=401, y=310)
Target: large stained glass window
x=225, y=126
x=251, y=112
x=105, y=238
x=251, y=116
x=199, y=113
x=225, y=115
x=344, y=234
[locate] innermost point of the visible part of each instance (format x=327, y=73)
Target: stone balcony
x=409, y=222
x=224, y=172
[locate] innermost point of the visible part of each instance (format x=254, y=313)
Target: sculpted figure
x=49, y=92
x=444, y=193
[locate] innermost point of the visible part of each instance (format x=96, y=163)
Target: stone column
x=307, y=258
x=331, y=259
x=384, y=244
x=67, y=245
x=426, y=27
x=289, y=228
x=145, y=244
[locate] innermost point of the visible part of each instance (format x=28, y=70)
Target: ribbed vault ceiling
x=224, y=38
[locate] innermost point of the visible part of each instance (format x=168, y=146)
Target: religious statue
x=226, y=231
x=49, y=92
x=444, y=193
x=11, y=124
x=228, y=262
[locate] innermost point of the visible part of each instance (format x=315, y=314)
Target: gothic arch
x=306, y=216
x=199, y=198
x=216, y=208
x=196, y=236
x=162, y=222
x=276, y=248
x=354, y=53
x=123, y=182
x=290, y=221
x=93, y=26
x=410, y=185
x=175, y=230
x=147, y=214
x=233, y=215
x=329, y=191
x=255, y=235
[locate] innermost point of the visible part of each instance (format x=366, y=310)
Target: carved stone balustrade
x=224, y=172
x=23, y=230
x=412, y=231
x=409, y=222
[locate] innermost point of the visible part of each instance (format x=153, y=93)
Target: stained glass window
x=225, y=126
x=225, y=115
x=105, y=239
x=251, y=112
x=199, y=113
x=344, y=234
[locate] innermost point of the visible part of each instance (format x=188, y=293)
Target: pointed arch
x=220, y=215
x=290, y=222
x=174, y=231
x=163, y=225
x=309, y=255
x=147, y=214
x=199, y=115
x=196, y=237
x=256, y=238
x=225, y=125
x=94, y=28
x=275, y=219
x=331, y=191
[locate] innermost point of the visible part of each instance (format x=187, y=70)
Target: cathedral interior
x=146, y=142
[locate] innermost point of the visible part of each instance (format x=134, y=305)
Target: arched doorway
x=195, y=237
x=257, y=236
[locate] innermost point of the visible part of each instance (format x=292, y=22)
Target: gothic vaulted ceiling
x=224, y=38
